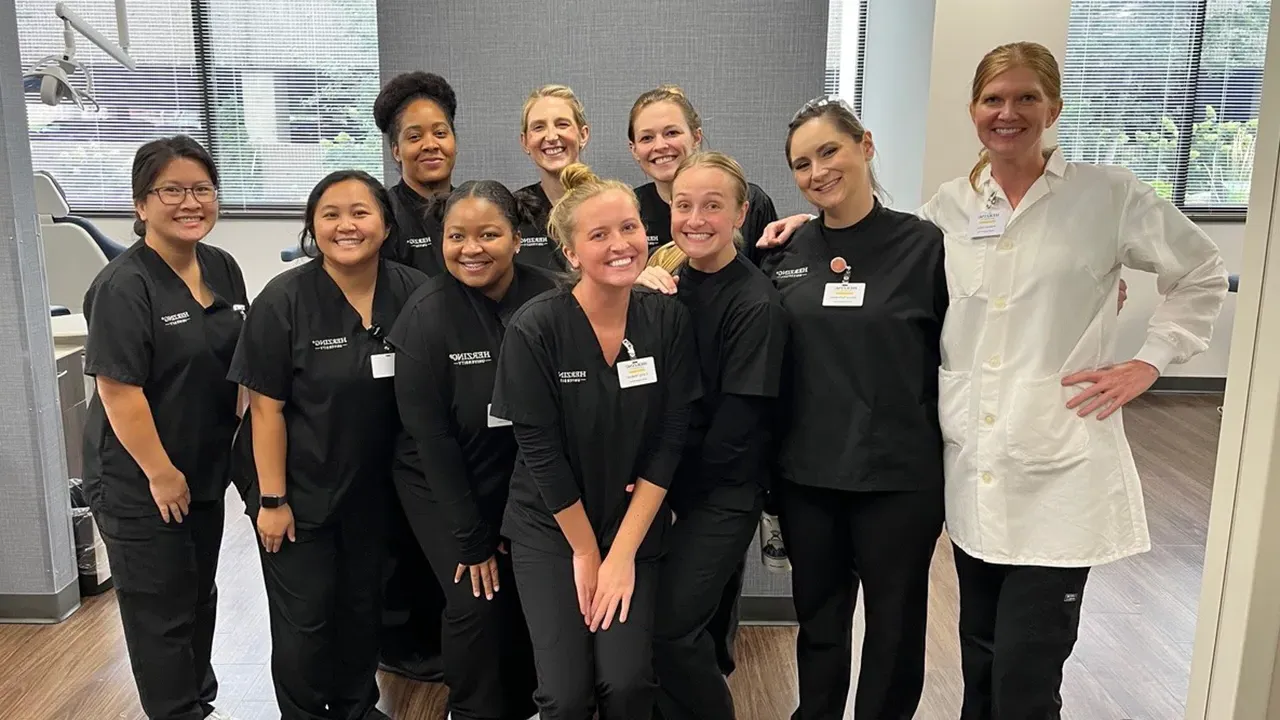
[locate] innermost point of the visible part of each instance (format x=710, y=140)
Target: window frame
x=1185, y=124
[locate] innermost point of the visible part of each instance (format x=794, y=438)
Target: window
x=846, y=50
x=1171, y=90
x=280, y=92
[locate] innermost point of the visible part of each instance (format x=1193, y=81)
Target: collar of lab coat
x=1056, y=167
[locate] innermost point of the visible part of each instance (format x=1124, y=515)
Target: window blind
x=840, y=41
x=1170, y=89
x=280, y=92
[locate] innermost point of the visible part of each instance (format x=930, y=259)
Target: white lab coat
x=1029, y=482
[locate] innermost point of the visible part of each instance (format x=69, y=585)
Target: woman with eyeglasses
x=860, y=494
x=553, y=133
x=313, y=458
x=163, y=321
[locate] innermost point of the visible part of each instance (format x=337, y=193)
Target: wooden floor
x=1132, y=660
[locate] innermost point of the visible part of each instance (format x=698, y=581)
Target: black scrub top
x=305, y=345
x=447, y=340
x=418, y=238
x=860, y=395
x=656, y=215
x=741, y=331
x=536, y=246
x=147, y=330
x=581, y=435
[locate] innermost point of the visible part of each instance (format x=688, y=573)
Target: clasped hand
x=604, y=588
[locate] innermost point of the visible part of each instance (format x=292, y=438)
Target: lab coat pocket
x=965, y=261
x=953, y=405
x=1043, y=432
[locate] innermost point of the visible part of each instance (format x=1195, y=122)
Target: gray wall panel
x=36, y=555
x=747, y=65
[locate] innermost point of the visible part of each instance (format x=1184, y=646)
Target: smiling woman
x=571, y=361
x=554, y=133
x=313, y=458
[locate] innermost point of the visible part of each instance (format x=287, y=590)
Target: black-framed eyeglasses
x=822, y=101
x=174, y=195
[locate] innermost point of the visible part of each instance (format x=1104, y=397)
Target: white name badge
x=384, y=365
x=496, y=421
x=642, y=371
x=844, y=294
x=988, y=223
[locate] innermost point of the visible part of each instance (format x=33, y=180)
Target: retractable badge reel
x=843, y=293
x=990, y=221
x=384, y=363
x=636, y=371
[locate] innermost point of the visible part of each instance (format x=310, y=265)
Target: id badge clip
x=636, y=371
x=843, y=293
x=990, y=221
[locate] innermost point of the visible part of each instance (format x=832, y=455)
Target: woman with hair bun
x=447, y=342
x=597, y=379
x=415, y=112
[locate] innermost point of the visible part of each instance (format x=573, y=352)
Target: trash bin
x=91, y=553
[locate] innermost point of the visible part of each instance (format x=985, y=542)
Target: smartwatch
x=274, y=501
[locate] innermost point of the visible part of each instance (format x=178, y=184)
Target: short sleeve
x=754, y=339
x=523, y=390
x=263, y=361
x=120, y=344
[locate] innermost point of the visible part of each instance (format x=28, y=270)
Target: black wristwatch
x=274, y=501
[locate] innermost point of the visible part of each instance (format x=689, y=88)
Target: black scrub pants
x=705, y=549
x=884, y=540
x=724, y=624
x=412, y=600
x=324, y=599
x=485, y=646
x=1018, y=626
x=164, y=583
x=580, y=672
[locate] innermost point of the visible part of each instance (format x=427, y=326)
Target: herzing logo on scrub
x=329, y=343
x=470, y=358
x=573, y=376
x=791, y=274
x=421, y=242
x=536, y=241
x=175, y=319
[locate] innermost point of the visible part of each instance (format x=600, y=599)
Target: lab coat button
x=1001, y=303
x=1005, y=245
x=986, y=478
x=990, y=419
x=995, y=361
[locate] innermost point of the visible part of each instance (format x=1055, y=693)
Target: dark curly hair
x=402, y=89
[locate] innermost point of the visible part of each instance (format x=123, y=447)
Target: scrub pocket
x=965, y=261
x=1043, y=432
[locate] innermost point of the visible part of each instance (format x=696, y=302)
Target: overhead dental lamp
x=52, y=75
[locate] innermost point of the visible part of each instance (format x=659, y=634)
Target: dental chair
x=75, y=250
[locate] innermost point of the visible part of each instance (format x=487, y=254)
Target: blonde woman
x=597, y=380
x=553, y=133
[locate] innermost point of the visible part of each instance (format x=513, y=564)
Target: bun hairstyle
x=152, y=158
x=564, y=92
x=580, y=184
x=491, y=190
x=664, y=93
x=1034, y=57
x=403, y=89
x=307, y=238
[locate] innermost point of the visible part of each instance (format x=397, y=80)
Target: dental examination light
x=52, y=75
